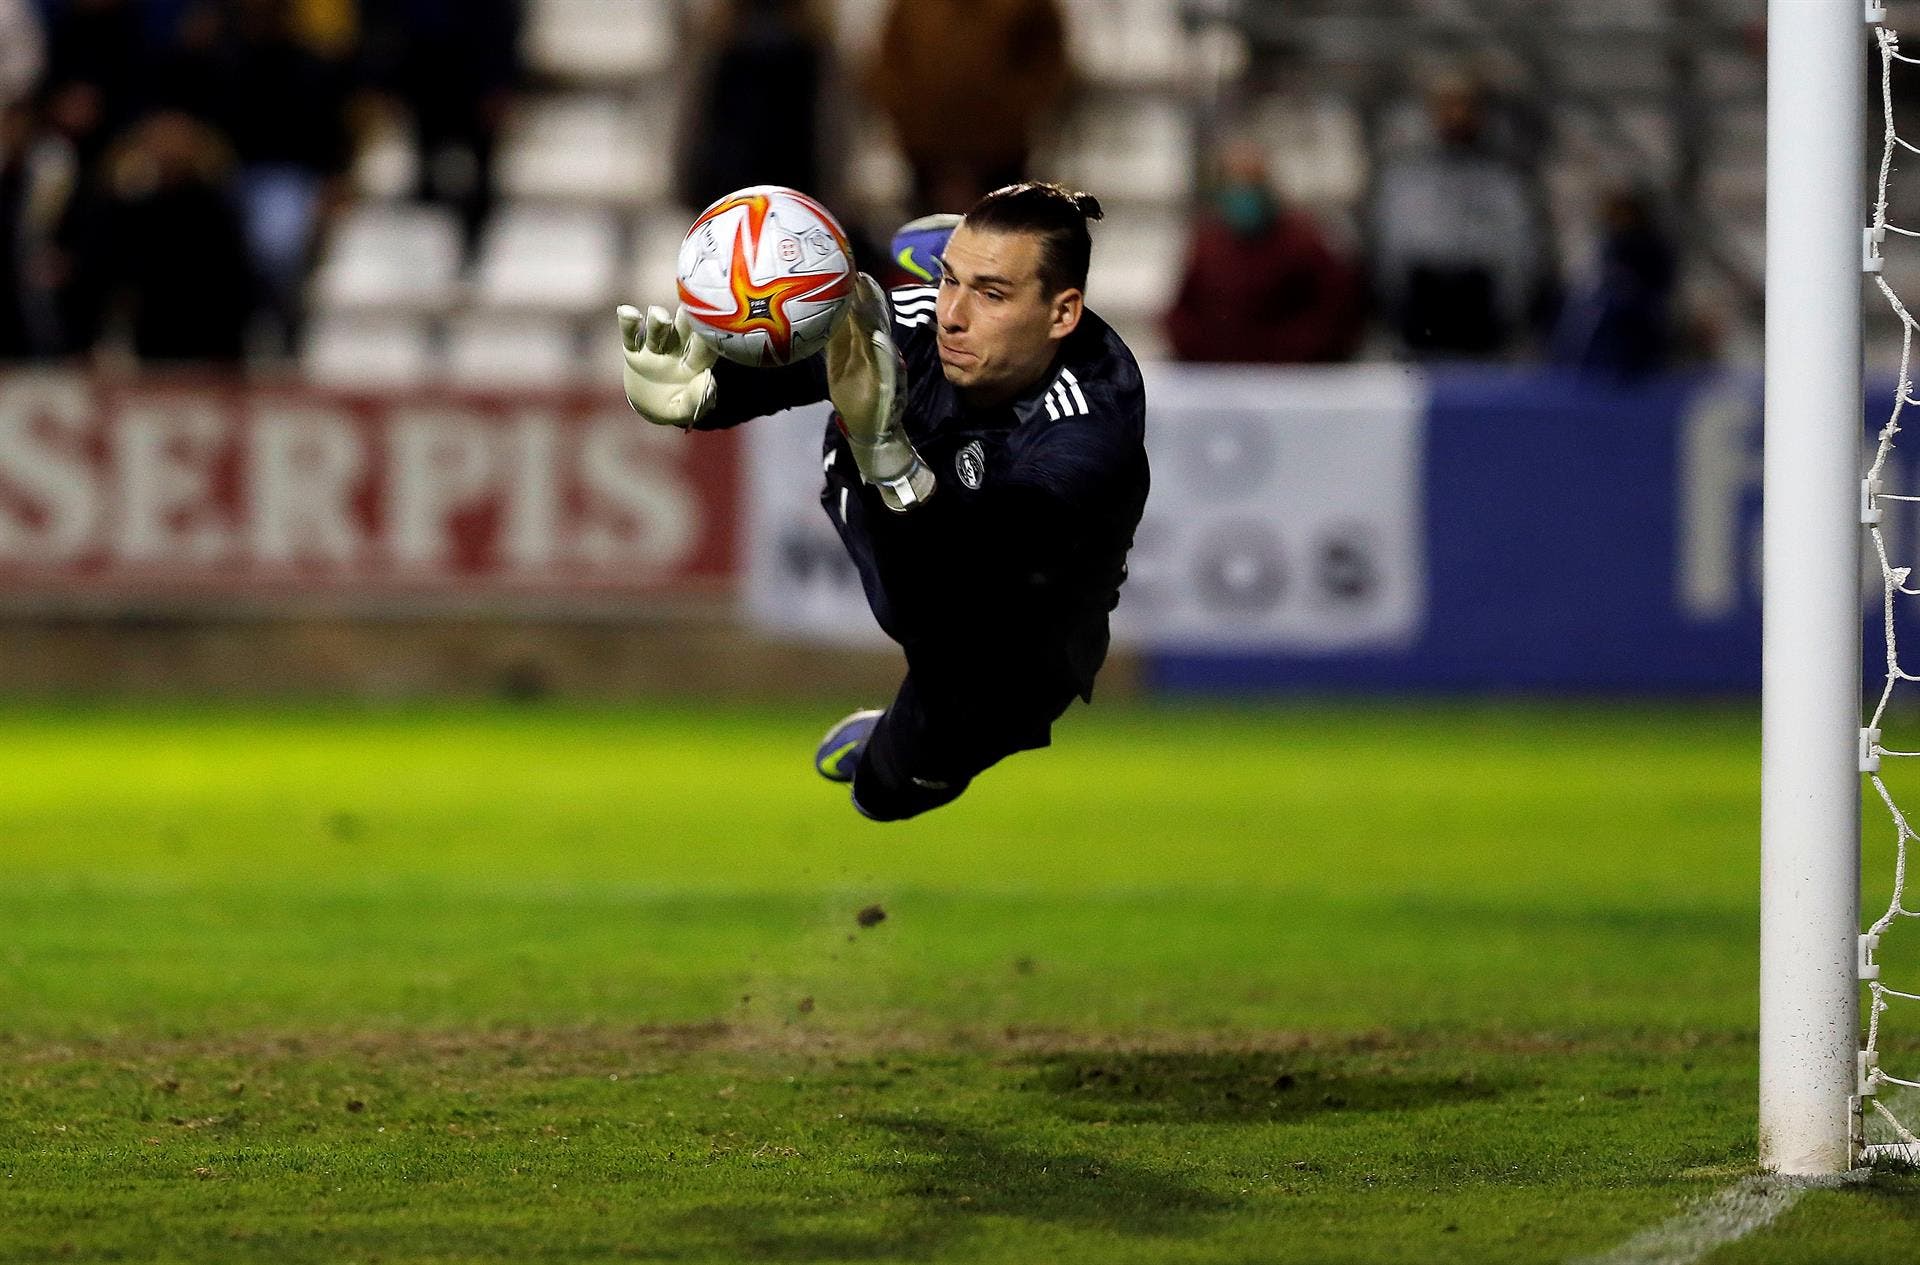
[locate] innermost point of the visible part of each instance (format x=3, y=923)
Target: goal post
x=1810, y=641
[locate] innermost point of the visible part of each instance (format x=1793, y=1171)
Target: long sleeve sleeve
x=745, y=393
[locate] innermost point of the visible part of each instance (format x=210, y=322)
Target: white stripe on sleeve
x=1073, y=384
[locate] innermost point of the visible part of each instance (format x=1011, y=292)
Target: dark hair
x=1057, y=215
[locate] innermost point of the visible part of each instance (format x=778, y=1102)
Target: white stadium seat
x=1653, y=133
x=1597, y=66
x=1727, y=72
x=548, y=258
x=392, y=257
x=1736, y=183
x=1612, y=17
x=387, y=166
x=655, y=257
x=522, y=351
x=1133, y=147
x=367, y=352
x=1129, y=41
x=600, y=40
x=1316, y=147
x=1137, y=254
x=587, y=147
x=876, y=171
x=1572, y=186
x=856, y=28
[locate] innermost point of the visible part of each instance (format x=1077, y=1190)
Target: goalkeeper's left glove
x=867, y=382
x=669, y=368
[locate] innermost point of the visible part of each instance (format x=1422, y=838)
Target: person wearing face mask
x=1261, y=284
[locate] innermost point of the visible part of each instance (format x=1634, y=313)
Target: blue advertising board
x=1579, y=536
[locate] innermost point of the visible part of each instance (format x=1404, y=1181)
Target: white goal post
x=1820, y=1083
x=1810, y=641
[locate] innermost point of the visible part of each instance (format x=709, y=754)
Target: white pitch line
x=1731, y=1215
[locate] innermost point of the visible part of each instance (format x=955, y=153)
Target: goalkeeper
x=985, y=469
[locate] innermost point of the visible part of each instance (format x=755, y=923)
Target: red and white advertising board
x=150, y=491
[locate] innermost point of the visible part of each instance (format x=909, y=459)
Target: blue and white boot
x=839, y=753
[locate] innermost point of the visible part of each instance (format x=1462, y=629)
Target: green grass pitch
x=1370, y=982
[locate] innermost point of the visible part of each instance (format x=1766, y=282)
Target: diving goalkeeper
x=985, y=469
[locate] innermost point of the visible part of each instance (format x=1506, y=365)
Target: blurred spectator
x=242, y=67
x=17, y=341
x=330, y=28
x=1619, y=322
x=767, y=62
x=160, y=245
x=160, y=20
x=1261, y=284
x=36, y=183
x=453, y=65
x=964, y=83
x=23, y=51
x=1459, y=244
x=98, y=62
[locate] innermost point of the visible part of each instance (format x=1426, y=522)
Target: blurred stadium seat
x=1137, y=256
x=1736, y=165
x=588, y=147
x=517, y=350
x=1317, y=148
x=876, y=172
x=654, y=258
x=856, y=27
x=363, y=351
x=599, y=40
x=390, y=257
x=1129, y=42
x=558, y=259
x=1620, y=69
x=1136, y=147
x=387, y=165
x=1647, y=16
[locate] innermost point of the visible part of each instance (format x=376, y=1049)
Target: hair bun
x=1088, y=204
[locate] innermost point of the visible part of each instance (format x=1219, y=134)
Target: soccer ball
x=764, y=273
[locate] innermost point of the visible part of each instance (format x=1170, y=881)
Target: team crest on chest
x=970, y=463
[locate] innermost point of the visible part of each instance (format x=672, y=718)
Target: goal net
x=1889, y=1089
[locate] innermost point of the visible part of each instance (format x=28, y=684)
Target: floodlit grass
x=1367, y=982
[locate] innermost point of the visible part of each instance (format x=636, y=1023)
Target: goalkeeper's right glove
x=867, y=382
x=669, y=368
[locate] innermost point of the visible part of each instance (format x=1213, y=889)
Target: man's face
x=998, y=327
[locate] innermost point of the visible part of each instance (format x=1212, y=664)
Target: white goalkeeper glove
x=867, y=381
x=669, y=368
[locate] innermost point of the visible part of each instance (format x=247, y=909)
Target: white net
x=1882, y=1089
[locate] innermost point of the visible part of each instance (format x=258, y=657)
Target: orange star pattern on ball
x=761, y=307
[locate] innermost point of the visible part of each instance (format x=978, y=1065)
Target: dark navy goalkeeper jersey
x=1019, y=555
